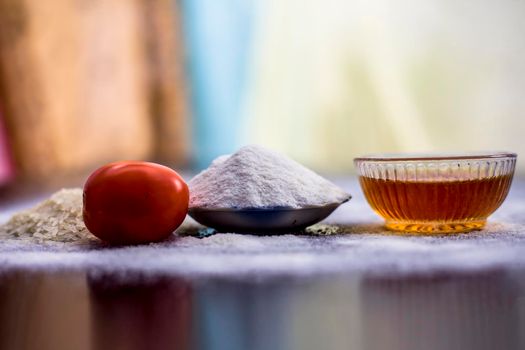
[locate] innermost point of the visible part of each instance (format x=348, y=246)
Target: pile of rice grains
x=58, y=218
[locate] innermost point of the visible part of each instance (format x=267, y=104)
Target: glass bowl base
x=430, y=227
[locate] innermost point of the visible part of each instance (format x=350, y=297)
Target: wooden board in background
x=73, y=81
x=168, y=93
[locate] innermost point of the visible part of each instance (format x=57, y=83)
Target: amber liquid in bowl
x=436, y=206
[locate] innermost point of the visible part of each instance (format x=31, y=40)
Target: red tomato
x=132, y=202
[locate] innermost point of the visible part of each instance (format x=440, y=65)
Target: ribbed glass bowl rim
x=442, y=157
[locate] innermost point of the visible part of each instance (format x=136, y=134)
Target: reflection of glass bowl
x=440, y=193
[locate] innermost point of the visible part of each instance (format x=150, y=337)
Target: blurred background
x=180, y=82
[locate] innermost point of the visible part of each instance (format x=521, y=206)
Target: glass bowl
x=442, y=193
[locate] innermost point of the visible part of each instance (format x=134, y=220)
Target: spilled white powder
x=255, y=177
x=358, y=243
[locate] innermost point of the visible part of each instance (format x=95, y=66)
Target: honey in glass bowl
x=436, y=193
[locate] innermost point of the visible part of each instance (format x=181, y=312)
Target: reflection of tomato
x=134, y=202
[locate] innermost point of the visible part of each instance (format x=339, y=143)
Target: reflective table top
x=360, y=288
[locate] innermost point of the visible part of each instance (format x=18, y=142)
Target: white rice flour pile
x=58, y=218
x=255, y=177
